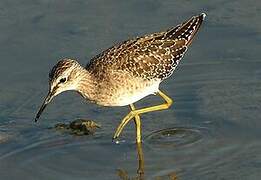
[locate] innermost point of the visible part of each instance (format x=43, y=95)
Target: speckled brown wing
x=152, y=56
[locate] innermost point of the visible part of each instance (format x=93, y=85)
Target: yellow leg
x=137, y=123
x=134, y=113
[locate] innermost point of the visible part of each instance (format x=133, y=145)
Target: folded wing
x=151, y=56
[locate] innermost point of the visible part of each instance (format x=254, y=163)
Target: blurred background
x=212, y=131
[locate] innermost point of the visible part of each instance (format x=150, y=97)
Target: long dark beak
x=47, y=100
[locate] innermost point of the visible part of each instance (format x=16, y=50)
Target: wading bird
x=127, y=72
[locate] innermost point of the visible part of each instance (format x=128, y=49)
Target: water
x=211, y=132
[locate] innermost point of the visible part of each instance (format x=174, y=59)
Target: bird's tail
x=187, y=30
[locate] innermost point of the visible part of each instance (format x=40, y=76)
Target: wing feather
x=151, y=56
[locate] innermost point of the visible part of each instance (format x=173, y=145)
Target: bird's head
x=64, y=76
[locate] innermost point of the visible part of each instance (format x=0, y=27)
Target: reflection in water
x=167, y=139
x=140, y=171
x=123, y=174
x=170, y=176
x=54, y=154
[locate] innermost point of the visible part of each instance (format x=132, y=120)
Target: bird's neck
x=87, y=85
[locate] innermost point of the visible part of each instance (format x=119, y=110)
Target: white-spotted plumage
x=129, y=71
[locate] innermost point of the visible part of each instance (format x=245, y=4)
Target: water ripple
x=176, y=137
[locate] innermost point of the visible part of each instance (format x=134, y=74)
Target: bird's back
x=153, y=56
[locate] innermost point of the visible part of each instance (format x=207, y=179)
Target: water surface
x=212, y=131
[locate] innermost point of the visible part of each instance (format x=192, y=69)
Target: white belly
x=127, y=96
x=122, y=89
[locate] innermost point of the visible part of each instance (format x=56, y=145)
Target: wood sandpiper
x=127, y=72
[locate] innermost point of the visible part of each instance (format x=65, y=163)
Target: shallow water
x=212, y=130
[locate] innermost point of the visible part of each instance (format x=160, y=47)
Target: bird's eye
x=63, y=80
